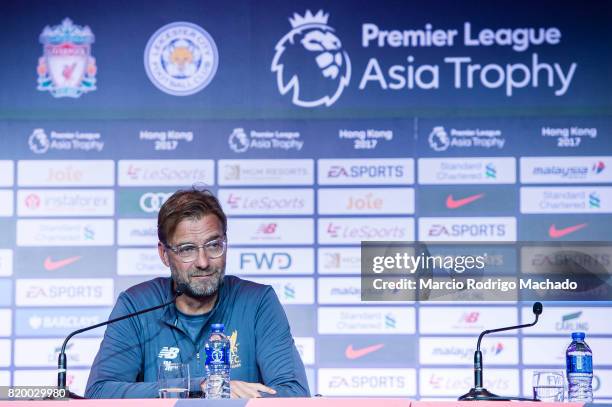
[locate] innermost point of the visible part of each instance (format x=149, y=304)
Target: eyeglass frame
x=174, y=249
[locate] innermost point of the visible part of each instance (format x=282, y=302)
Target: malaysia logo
x=238, y=141
x=598, y=167
x=39, y=141
x=181, y=59
x=311, y=53
x=438, y=139
x=66, y=68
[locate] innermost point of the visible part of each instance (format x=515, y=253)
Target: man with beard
x=192, y=232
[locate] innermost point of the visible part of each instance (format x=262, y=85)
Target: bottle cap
x=217, y=327
x=578, y=336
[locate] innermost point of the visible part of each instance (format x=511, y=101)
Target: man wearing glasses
x=192, y=231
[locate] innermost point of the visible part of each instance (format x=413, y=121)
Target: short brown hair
x=187, y=204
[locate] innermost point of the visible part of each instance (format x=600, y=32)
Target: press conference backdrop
x=318, y=124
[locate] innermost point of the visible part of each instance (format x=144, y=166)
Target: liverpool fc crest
x=66, y=68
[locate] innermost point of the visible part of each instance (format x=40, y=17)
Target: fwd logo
x=274, y=260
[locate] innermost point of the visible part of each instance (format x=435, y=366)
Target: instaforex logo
x=311, y=53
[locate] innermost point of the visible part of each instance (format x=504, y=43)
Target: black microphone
x=478, y=392
x=61, y=360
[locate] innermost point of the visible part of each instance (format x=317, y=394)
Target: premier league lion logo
x=310, y=62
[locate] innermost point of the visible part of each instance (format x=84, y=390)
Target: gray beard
x=200, y=290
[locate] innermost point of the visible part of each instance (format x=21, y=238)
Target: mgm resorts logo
x=310, y=62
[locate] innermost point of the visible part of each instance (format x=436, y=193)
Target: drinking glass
x=548, y=385
x=173, y=380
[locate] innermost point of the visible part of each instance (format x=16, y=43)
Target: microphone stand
x=61, y=359
x=478, y=392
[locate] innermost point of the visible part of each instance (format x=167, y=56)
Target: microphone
x=478, y=392
x=61, y=360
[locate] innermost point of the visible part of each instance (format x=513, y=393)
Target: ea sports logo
x=310, y=62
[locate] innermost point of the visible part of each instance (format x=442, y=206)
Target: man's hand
x=245, y=390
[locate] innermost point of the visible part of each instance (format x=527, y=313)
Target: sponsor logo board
x=286, y=201
x=6, y=327
x=566, y=200
x=566, y=320
x=566, y=170
x=137, y=232
x=166, y=172
x=354, y=230
x=6, y=202
x=65, y=232
x=367, y=382
x=6, y=262
x=366, y=171
x=270, y=261
x=551, y=351
x=140, y=262
x=453, y=382
x=367, y=201
x=7, y=173
x=453, y=229
x=59, y=292
x=5, y=353
x=266, y=172
x=366, y=320
x=43, y=352
x=65, y=202
x=339, y=260
x=59, y=321
x=271, y=231
x=290, y=290
x=460, y=351
x=463, y=320
x=478, y=170
x=65, y=173
x=306, y=349
x=76, y=379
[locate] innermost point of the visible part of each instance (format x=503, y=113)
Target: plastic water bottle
x=579, y=359
x=217, y=349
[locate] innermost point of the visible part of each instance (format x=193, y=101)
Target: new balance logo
x=168, y=352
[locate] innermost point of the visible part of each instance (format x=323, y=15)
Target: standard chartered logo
x=151, y=202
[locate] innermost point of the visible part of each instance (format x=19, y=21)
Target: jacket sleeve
x=278, y=360
x=120, y=360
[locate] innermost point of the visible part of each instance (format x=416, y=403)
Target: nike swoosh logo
x=555, y=233
x=351, y=353
x=51, y=265
x=452, y=203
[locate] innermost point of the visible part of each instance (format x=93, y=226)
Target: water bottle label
x=579, y=364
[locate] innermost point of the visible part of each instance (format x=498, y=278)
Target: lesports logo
x=353, y=354
x=452, y=203
x=311, y=53
x=181, y=59
x=66, y=68
x=238, y=141
x=39, y=141
x=438, y=139
x=555, y=233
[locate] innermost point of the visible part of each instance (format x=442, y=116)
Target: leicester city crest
x=310, y=62
x=181, y=59
x=66, y=68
